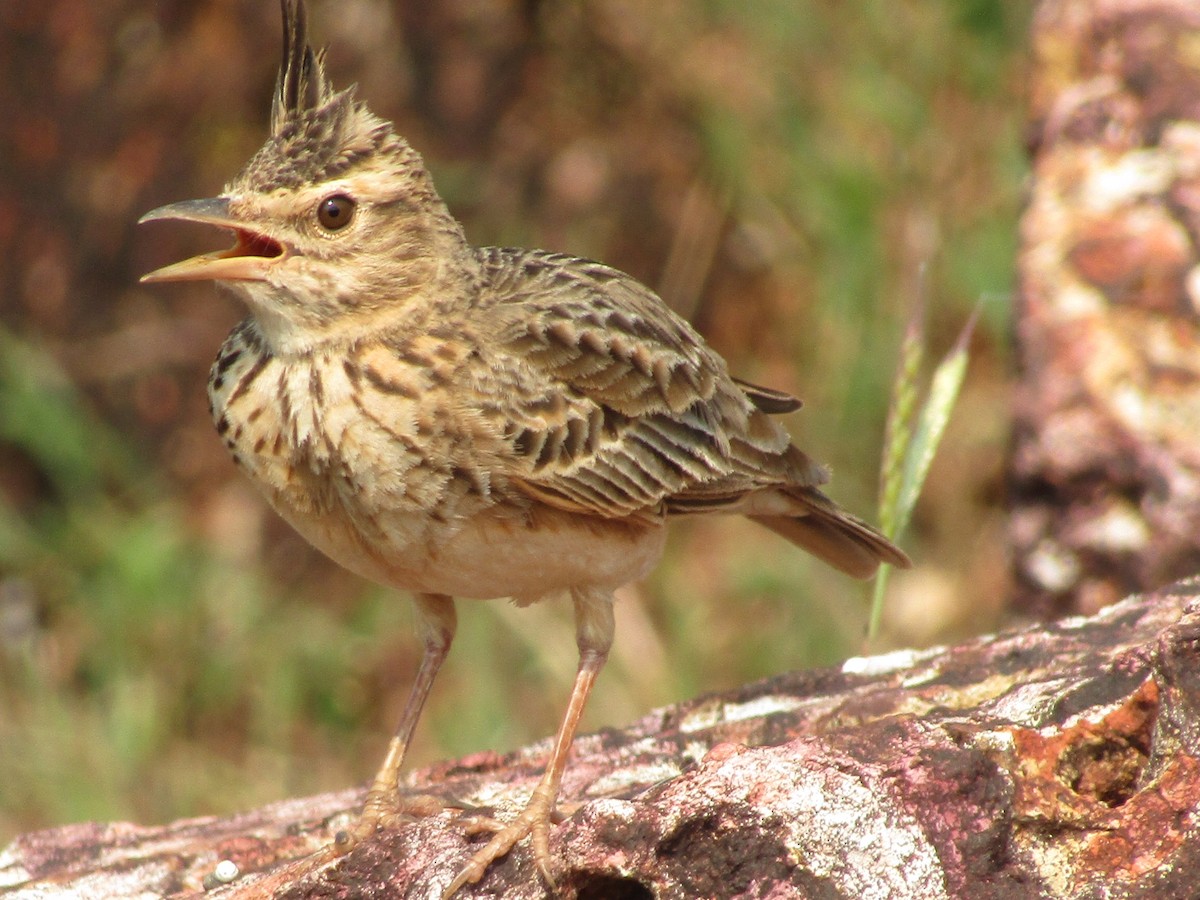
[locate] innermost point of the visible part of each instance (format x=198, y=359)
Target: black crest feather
x=301, y=83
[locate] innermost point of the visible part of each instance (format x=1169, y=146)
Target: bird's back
x=625, y=411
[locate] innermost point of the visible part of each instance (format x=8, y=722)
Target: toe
x=386, y=811
x=501, y=843
x=534, y=820
x=540, y=841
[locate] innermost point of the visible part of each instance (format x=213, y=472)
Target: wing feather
x=615, y=407
x=648, y=414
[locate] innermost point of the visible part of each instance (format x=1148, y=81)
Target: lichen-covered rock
x=1057, y=761
x=1105, y=470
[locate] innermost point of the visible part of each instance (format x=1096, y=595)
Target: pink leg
x=437, y=622
x=593, y=634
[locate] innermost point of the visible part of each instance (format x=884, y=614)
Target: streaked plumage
x=466, y=422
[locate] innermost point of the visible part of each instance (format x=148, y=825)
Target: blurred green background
x=780, y=170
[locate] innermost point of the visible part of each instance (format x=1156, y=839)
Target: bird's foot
x=386, y=810
x=534, y=820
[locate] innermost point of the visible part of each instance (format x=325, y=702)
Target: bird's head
x=336, y=218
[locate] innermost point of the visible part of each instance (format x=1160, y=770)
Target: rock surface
x=1105, y=470
x=1055, y=761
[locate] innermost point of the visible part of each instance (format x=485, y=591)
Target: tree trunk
x=1057, y=761
x=1105, y=474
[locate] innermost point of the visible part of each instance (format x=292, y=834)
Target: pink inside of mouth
x=251, y=244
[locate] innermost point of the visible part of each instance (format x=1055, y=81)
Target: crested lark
x=465, y=422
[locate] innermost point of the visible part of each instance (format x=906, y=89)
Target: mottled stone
x=1056, y=761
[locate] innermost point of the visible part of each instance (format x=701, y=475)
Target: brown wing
x=615, y=407
x=767, y=399
x=620, y=408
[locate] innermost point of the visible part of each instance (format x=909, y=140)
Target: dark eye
x=334, y=213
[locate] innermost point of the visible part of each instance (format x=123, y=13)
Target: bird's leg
x=593, y=634
x=437, y=621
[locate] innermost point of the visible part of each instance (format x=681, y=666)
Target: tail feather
x=835, y=536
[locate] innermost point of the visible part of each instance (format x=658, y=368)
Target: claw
x=533, y=821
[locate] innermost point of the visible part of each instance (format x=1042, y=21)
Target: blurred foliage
x=778, y=170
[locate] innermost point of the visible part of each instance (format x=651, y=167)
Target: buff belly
x=486, y=555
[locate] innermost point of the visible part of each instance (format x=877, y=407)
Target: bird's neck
x=296, y=320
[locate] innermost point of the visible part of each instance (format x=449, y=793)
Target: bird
x=471, y=423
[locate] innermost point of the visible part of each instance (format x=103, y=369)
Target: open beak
x=246, y=260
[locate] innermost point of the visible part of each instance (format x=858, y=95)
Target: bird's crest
x=317, y=133
x=302, y=83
